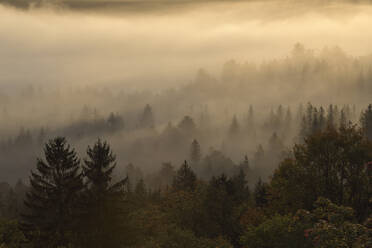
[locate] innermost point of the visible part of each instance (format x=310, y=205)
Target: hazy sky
x=165, y=47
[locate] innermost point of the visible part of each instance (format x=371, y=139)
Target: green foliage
x=331, y=164
x=11, y=235
x=335, y=226
x=217, y=213
x=156, y=226
x=278, y=231
x=175, y=237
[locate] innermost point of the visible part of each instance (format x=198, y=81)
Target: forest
x=319, y=195
x=285, y=178
x=185, y=124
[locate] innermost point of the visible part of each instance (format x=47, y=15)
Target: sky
x=157, y=45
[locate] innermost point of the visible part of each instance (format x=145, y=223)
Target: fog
x=88, y=69
x=161, y=48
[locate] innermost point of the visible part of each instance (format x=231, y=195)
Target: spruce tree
x=195, y=153
x=260, y=193
x=51, y=201
x=101, y=219
x=366, y=121
x=147, y=118
x=234, y=128
x=185, y=178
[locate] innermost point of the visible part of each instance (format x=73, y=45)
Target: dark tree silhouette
x=185, y=178
x=234, y=128
x=366, y=121
x=260, y=193
x=195, y=152
x=147, y=118
x=51, y=202
x=101, y=215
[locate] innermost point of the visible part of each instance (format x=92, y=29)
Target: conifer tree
x=366, y=121
x=240, y=185
x=245, y=164
x=259, y=156
x=343, y=119
x=250, y=126
x=185, y=178
x=331, y=116
x=187, y=125
x=101, y=195
x=51, y=201
x=147, y=118
x=195, y=152
x=98, y=170
x=322, y=119
x=234, y=128
x=288, y=119
x=260, y=193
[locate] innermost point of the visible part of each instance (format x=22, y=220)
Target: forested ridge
x=319, y=195
x=178, y=168
x=185, y=123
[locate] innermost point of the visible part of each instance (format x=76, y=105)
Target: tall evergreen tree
x=240, y=185
x=343, y=119
x=195, y=152
x=187, y=125
x=185, y=178
x=366, y=121
x=101, y=194
x=234, y=128
x=331, y=116
x=260, y=193
x=250, y=125
x=51, y=201
x=147, y=118
x=322, y=118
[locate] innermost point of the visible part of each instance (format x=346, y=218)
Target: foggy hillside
x=185, y=123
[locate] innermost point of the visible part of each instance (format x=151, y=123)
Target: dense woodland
x=126, y=124
x=318, y=196
x=277, y=154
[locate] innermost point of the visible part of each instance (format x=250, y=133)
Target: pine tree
x=250, y=126
x=288, y=120
x=331, y=116
x=187, y=125
x=98, y=170
x=322, y=119
x=147, y=118
x=245, y=164
x=101, y=216
x=240, y=185
x=115, y=122
x=259, y=156
x=366, y=121
x=260, y=193
x=234, y=128
x=51, y=201
x=185, y=178
x=343, y=119
x=315, y=127
x=195, y=152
